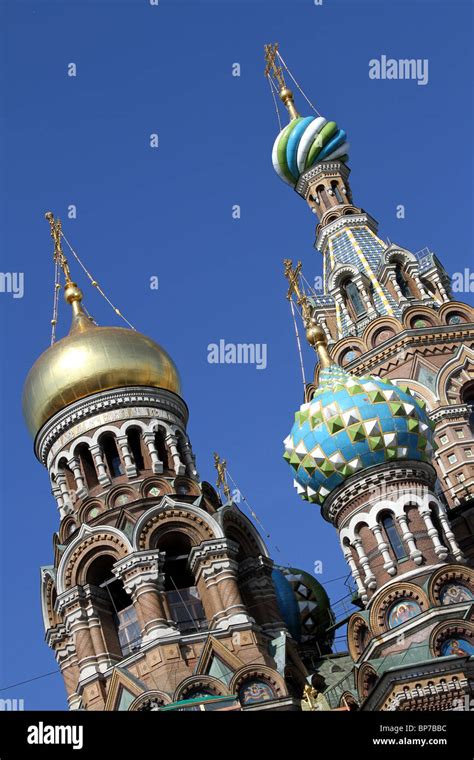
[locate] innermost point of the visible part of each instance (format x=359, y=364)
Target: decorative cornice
x=363, y=482
x=401, y=674
x=408, y=338
x=98, y=403
x=215, y=548
x=327, y=168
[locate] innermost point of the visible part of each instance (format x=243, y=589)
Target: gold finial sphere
x=285, y=93
x=72, y=292
x=315, y=333
x=49, y=216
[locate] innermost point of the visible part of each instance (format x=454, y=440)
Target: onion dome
x=304, y=605
x=89, y=360
x=350, y=424
x=305, y=142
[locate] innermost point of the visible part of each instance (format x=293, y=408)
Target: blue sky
x=168, y=213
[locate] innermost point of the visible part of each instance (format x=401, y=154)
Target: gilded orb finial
x=316, y=338
x=275, y=73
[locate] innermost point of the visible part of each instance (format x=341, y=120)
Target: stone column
x=130, y=468
x=71, y=605
x=57, y=493
x=364, y=561
x=156, y=463
x=441, y=287
x=389, y=564
x=408, y=539
x=102, y=627
x=143, y=580
x=371, y=312
x=440, y=550
x=443, y=518
x=171, y=442
x=81, y=489
x=339, y=300
x=355, y=572
x=189, y=461
x=61, y=481
x=401, y=298
x=100, y=467
x=215, y=570
x=255, y=578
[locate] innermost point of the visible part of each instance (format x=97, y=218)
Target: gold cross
x=59, y=257
x=293, y=277
x=221, y=467
x=271, y=68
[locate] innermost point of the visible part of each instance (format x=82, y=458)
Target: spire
x=275, y=73
x=315, y=334
x=72, y=293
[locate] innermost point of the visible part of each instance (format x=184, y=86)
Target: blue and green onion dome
x=350, y=424
x=304, y=605
x=304, y=142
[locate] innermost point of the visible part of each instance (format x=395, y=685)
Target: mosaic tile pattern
x=350, y=424
x=304, y=605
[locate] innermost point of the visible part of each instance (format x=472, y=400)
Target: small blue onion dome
x=352, y=423
x=304, y=606
x=303, y=143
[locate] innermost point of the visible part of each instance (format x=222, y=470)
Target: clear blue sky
x=167, y=212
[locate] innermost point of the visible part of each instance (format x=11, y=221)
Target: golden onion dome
x=92, y=359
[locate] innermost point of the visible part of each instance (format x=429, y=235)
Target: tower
x=370, y=442
x=385, y=309
x=161, y=595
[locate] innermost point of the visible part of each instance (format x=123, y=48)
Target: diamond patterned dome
x=304, y=605
x=350, y=424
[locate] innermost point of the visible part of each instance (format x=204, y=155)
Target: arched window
x=402, y=281
x=437, y=524
x=321, y=194
x=353, y=298
x=337, y=192
x=112, y=457
x=135, y=445
x=162, y=449
x=393, y=536
x=87, y=464
x=118, y=613
x=182, y=595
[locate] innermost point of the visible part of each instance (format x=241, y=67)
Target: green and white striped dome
x=304, y=142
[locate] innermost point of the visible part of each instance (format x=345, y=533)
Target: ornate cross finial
x=271, y=69
x=221, y=467
x=315, y=334
x=275, y=73
x=293, y=276
x=59, y=256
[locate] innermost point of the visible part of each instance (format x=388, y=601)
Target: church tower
x=383, y=440
x=160, y=594
x=383, y=308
